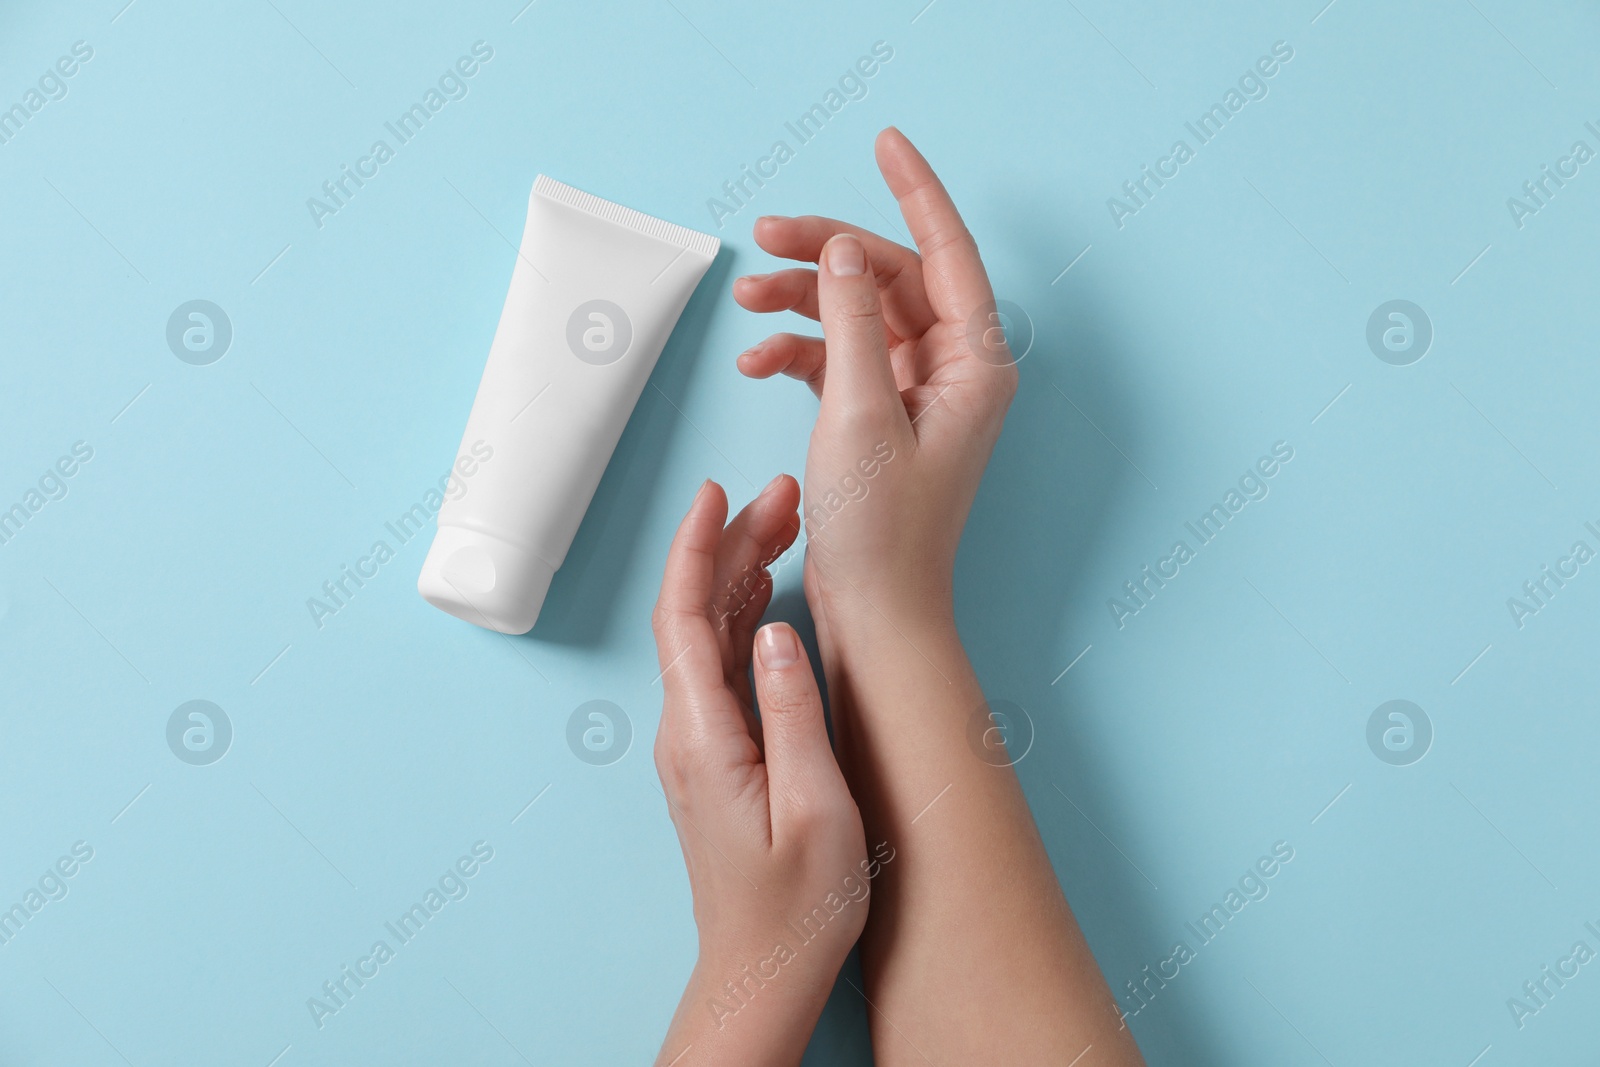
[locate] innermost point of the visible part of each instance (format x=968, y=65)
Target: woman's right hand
x=915, y=379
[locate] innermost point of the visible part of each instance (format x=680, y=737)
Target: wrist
x=858, y=615
x=793, y=963
x=735, y=1016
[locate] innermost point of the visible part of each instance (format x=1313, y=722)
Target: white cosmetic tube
x=596, y=289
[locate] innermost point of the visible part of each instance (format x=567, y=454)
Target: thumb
x=860, y=381
x=802, y=775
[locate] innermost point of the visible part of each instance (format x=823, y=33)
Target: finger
x=802, y=239
x=802, y=774
x=686, y=646
x=785, y=290
x=860, y=378
x=761, y=532
x=804, y=358
x=953, y=274
x=897, y=268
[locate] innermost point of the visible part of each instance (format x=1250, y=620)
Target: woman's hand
x=915, y=379
x=771, y=837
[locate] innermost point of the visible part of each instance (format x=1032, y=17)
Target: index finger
x=953, y=273
x=686, y=645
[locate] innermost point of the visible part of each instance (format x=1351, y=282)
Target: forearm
x=727, y=1017
x=970, y=952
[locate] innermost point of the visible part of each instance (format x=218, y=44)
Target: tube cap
x=484, y=580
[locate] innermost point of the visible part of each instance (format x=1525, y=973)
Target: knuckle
x=780, y=697
x=786, y=697
x=667, y=767
x=674, y=760
x=816, y=814
x=868, y=414
x=948, y=239
x=807, y=821
x=856, y=310
x=749, y=547
x=667, y=623
x=1002, y=386
x=989, y=394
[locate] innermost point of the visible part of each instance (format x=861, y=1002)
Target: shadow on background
x=580, y=607
x=1041, y=513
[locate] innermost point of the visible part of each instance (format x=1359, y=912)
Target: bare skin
x=971, y=954
x=770, y=834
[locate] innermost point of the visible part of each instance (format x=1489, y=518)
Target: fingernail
x=703, y=487
x=780, y=647
x=773, y=218
x=772, y=485
x=753, y=349
x=846, y=257
x=755, y=277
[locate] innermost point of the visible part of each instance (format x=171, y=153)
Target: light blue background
x=1223, y=317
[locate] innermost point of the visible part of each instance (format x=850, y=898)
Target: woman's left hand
x=771, y=836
